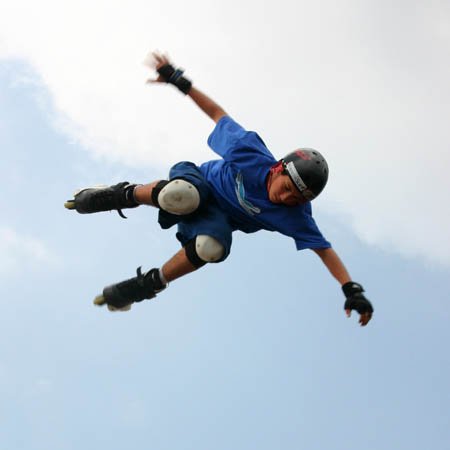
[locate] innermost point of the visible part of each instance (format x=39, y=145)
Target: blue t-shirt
x=238, y=182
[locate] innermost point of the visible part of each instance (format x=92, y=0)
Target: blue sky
x=253, y=353
x=363, y=81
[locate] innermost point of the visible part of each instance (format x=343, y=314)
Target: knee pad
x=177, y=197
x=204, y=249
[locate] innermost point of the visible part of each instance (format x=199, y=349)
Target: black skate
x=103, y=198
x=122, y=295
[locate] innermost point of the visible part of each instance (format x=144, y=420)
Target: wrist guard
x=175, y=77
x=355, y=298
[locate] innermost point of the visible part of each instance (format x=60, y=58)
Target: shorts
x=208, y=219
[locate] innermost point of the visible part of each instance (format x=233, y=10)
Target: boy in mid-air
x=247, y=190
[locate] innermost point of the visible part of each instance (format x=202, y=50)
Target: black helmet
x=308, y=170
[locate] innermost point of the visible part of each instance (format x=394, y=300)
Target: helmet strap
x=276, y=168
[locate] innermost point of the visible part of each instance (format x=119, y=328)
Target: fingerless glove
x=175, y=77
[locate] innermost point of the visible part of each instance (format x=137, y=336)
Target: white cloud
x=365, y=82
x=18, y=251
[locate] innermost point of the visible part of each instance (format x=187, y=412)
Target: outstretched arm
x=158, y=61
x=206, y=104
x=353, y=291
x=334, y=264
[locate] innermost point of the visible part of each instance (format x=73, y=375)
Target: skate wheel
x=114, y=309
x=70, y=204
x=99, y=300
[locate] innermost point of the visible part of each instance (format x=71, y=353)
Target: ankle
x=158, y=281
x=129, y=195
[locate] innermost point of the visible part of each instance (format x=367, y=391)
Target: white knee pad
x=208, y=249
x=179, y=197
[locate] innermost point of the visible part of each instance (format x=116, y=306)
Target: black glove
x=175, y=77
x=356, y=299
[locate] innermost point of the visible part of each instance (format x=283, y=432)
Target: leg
x=178, y=197
x=143, y=193
x=194, y=255
x=177, y=266
x=103, y=198
x=182, y=195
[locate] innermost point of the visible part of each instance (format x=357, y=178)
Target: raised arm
x=169, y=74
x=206, y=104
x=352, y=291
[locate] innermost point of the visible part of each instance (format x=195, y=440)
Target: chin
x=293, y=205
x=272, y=199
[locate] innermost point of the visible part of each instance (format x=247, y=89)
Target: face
x=283, y=191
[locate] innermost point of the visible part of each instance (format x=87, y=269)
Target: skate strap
x=121, y=214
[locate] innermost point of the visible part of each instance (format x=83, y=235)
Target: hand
x=167, y=73
x=357, y=301
x=155, y=60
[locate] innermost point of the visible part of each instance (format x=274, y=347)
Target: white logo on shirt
x=240, y=193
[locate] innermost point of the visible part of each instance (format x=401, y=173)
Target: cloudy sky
x=254, y=352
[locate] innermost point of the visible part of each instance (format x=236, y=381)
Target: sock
x=162, y=278
x=129, y=195
x=156, y=282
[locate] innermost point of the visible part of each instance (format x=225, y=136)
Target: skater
x=247, y=190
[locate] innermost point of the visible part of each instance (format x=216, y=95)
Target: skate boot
x=103, y=198
x=121, y=295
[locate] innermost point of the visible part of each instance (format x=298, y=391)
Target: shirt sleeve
x=310, y=235
x=232, y=142
x=314, y=239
